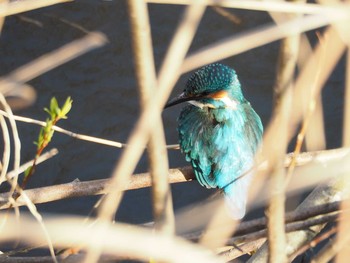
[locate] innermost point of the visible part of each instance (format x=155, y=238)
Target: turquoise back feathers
x=219, y=132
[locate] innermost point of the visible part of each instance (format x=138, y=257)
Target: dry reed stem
x=313, y=123
x=42, y=158
x=308, y=162
x=346, y=122
x=302, y=90
x=215, y=235
x=13, y=181
x=246, y=248
x=146, y=74
x=315, y=242
x=309, y=120
x=17, y=143
x=7, y=149
x=146, y=78
x=338, y=246
x=121, y=239
x=154, y=112
x=275, y=211
x=283, y=95
x=169, y=73
x=229, y=16
x=343, y=236
x=15, y=7
x=269, y=6
x=2, y=19
x=293, y=216
x=308, y=226
x=258, y=37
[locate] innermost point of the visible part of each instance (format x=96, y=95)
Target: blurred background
x=103, y=87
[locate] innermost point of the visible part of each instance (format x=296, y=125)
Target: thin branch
x=229, y=16
x=77, y=135
x=260, y=36
x=122, y=240
x=15, y=7
x=269, y=6
x=307, y=225
x=95, y=187
x=339, y=245
x=253, y=238
x=7, y=149
x=282, y=94
x=146, y=76
x=137, y=181
x=13, y=181
x=315, y=242
x=259, y=224
x=246, y=248
x=168, y=75
x=42, y=158
x=302, y=87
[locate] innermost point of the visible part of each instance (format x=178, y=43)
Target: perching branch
x=97, y=187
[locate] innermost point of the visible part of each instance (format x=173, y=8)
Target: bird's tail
x=236, y=195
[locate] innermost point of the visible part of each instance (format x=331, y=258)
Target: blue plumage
x=219, y=133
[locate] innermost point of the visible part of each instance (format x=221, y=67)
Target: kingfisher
x=219, y=133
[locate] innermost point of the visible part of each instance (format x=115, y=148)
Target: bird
x=219, y=133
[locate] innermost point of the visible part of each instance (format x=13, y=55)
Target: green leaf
x=53, y=104
x=66, y=108
x=48, y=111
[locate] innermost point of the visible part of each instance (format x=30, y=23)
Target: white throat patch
x=229, y=103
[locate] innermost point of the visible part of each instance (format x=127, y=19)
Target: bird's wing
x=236, y=156
x=195, y=135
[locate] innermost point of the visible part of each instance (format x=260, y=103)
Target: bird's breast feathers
x=220, y=143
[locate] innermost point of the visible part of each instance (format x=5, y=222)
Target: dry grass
x=299, y=105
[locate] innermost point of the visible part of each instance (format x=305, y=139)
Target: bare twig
x=229, y=16
x=346, y=125
x=7, y=149
x=122, y=240
x=282, y=111
x=302, y=91
x=13, y=181
x=315, y=242
x=97, y=187
x=307, y=226
x=269, y=6
x=258, y=224
x=339, y=245
x=23, y=167
x=145, y=69
x=15, y=7
x=261, y=36
x=78, y=135
x=232, y=252
x=168, y=75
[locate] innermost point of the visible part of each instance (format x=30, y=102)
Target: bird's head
x=213, y=86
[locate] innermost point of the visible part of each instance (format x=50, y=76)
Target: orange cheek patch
x=219, y=95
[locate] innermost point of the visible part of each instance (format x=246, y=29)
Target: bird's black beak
x=181, y=98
